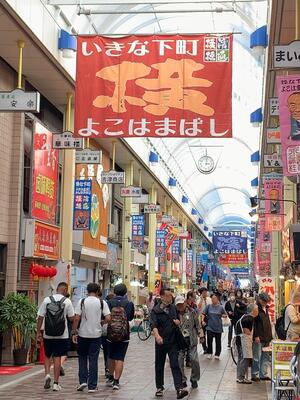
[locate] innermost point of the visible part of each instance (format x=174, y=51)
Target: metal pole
x=137, y=2
x=21, y=45
x=159, y=34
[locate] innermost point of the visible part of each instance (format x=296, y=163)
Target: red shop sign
x=46, y=241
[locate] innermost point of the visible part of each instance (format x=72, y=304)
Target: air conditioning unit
x=111, y=231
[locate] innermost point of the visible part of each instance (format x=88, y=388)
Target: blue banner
x=82, y=204
x=239, y=271
x=176, y=250
x=160, y=243
x=137, y=232
x=230, y=242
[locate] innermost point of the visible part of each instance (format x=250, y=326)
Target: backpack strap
x=52, y=299
x=62, y=300
x=284, y=317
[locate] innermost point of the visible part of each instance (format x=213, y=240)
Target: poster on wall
x=154, y=86
x=82, y=204
x=289, y=105
x=45, y=175
x=274, y=208
x=138, y=232
x=267, y=285
x=230, y=242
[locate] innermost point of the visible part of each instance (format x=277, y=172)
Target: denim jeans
x=261, y=361
x=192, y=351
x=88, y=354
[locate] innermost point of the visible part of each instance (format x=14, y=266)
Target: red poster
x=274, y=208
x=233, y=259
x=154, y=86
x=46, y=241
x=45, y=174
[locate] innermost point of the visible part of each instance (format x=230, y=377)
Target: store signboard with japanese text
x=287, y=55
x=273, y=136
x=176, y=251
x=160, y=243
x=154, y=86
x=273, y=106
x=274, y=210
x=152, y=208
x=82, y=204
x=288, y=89
x=138, y=231
x=45, y=175
x=41, y=240
x=282, y=354
x=233, y=259
x=272, y=160
x=267, y=285
x=189, y=262
x=230, y=242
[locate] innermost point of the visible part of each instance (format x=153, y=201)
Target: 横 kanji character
x=120, y=74
x=178, y=88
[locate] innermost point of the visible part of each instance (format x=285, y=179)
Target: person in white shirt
x=53, y=314
x=204, y=301
x=292, y=318
x=89, y=311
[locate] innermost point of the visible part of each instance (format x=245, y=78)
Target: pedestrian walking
x=89, y=313
x=104, y=341
x=192, y=332
x=204, y=300
x=244, y=343
x=262, y=337
x=53, y=314
x=292, y=318
x=213, y=314
x=150, y=301
x=118, y=333
x=164, y=320
x=234, y=308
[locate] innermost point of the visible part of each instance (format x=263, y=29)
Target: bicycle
x=234, y=350
x=144, y=327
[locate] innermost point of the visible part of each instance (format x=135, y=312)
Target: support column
x=152, y=237
x=68, y=173
x=126, y=234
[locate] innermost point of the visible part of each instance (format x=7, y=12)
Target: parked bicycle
x=144, y=327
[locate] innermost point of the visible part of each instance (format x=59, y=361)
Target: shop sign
x=273, y=136
x=233, y=259
x=144, y=199
x=160, y=243
x=274, y=209
x=184, y=235
x=282, y=354
x=166, y=219
x=289, y=101
x=152, y=209
x=267, y=285
x=272, y=160
x=287, y=56
x=82, y=204
x=230, y=242
x=189, y=262
x=41, y=240
x=239, y=271
x=114, y=177
x=176, y=251
x=45, y=176
x=273, y=107
x=131, y=191
x=138, y=232
x=18, y=100
x=88, y=156
x=65, y=141
x=134, y=88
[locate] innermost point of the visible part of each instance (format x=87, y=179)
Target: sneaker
x=56, y=387
x=255, y=379
x=247, y=381
x=209, y=356
x=266, y=378
x=93, y=390
x=217, y=358
x=47, y=382
x=159, y=392
x=107, y=373
x=81, y=387
x=109, y=381
x=181, y=393
x=240, y=381
x=184, y=384
x=229, y=347
x=194, y=384
x=62, y=372
x=116, y=386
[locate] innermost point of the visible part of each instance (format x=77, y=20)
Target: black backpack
x=280, y=326
x=55, y=321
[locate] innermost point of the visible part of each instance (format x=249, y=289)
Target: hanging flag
x=154, y=86
x=274, y=209
x=138, y=232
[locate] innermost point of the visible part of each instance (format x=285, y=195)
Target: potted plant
x=18, y=314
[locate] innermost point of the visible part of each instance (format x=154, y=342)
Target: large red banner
x=45, y=175
x=154, y=86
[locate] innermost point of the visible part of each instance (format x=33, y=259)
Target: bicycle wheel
x=144, y=330
x=233, y=350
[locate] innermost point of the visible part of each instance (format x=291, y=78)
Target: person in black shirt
x=244, y=340
x=164, y=320
x=235, y=309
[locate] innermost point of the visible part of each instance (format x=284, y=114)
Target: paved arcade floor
x=218, y=380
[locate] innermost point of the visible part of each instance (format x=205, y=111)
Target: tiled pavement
x=218, y=381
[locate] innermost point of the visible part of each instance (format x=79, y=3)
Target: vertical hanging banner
x=154, y=86
x=82, y=204
x=176, y=251
x=274, y=209
x=138, y=232
x=288, y=89
x=267, y=285
x=160, y=243
x=189, y=262
x=45, y=175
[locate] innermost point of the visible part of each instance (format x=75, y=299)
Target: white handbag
x=226, y=321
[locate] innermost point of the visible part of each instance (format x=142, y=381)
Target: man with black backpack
x=118, y=333
x=88, y=313
x=54, y=312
